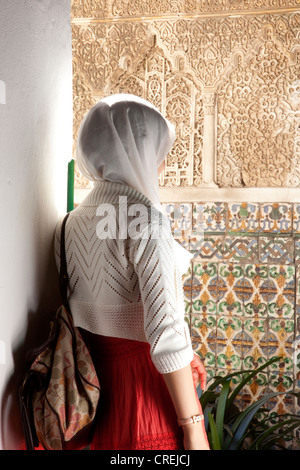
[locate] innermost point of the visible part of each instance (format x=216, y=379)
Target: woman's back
x=126, y=286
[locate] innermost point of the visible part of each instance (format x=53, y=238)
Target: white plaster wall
x=35, y=146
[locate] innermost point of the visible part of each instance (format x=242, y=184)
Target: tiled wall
x=242, y=289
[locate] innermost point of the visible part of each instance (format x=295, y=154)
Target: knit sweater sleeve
x=161, y=290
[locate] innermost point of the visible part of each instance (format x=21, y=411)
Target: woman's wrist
x=193, y=427
x=191, y=420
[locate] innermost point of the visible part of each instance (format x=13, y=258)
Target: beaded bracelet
x=192, y=420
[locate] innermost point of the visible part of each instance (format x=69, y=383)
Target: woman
x=125, y=283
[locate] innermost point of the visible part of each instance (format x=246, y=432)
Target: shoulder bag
x=60, y=391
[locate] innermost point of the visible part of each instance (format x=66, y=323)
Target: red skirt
x=135, y=410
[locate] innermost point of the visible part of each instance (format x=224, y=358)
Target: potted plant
x=229, y=428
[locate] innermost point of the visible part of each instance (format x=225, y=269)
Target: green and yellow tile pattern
x=242, y=290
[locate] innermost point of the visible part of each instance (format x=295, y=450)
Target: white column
x=209, y=140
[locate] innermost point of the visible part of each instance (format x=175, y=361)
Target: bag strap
x=28, y=386
x=63, y=274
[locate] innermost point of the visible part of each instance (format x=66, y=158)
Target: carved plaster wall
x=229, y=82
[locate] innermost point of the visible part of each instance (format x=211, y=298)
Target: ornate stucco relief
x=248, y=66
x=166, y=82
x=259, y=116
x=104, y=9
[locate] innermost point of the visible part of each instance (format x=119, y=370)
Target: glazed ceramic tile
x=296, y=220
x=207, y=247
x=209, y=217
x=295, y=358
x=276, y=218
x=180, y=217
x=168, y=210
x=280, y=373
x=297, y=312
x=243, y=217
x=280, y=291
x=256, y=386
x=230, y=289
x=229, y=342
x=281, y=339
x=203, y=335
x=187, y=281
x=281, y=404
x=240, y=248
x=205, y=288
x=260, y=382
x=254, y=345
x=297, y=293
x=281, y=380
x=276, y=250
x=255, y=303
x=297, y=250
x=185, y=225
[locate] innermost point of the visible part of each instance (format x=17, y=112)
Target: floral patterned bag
x=60, y=392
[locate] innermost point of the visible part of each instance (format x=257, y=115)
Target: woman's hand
x=180, y=384
x=195, y=437
x=199, y=372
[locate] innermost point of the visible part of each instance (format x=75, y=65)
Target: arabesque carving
x=249, y=64
x=166, y=83
x=106, y=9
x=258, y=117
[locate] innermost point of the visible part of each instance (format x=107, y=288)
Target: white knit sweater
x=126, y=287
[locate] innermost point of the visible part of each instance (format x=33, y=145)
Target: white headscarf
x=124, y=138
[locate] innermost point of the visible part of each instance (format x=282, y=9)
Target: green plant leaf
x=273, y=420
x=214, y=433
x=208, y=397
x=242, y=422
x=228, y=429
x=220, y=412
x=239, y=424
x=220, y=380
x=270, y=431
x=269, y=442
x=206, y=411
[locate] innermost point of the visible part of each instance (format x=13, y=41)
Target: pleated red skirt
x=135, y=410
